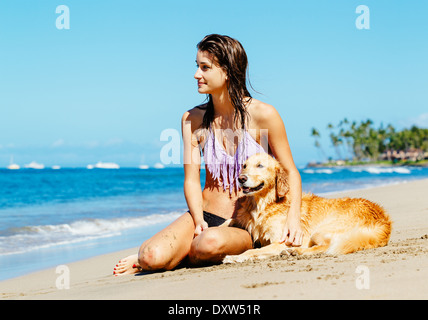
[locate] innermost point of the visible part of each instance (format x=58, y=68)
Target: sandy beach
x=397, y=271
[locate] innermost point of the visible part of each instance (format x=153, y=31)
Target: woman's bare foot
x=128, y=265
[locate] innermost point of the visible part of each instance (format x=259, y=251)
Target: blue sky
x=106, y=88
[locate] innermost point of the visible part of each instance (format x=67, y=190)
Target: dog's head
x=261, y=174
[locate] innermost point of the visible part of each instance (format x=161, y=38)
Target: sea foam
x=379, y=170
x=19, y=240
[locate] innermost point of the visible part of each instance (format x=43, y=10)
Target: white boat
x=34, y=165
x=89, y=166
x=13, y=166
x=159, y=166
x=143, y=166
x=107, y=165
x=56, y=167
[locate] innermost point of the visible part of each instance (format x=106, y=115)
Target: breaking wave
x=23, y=239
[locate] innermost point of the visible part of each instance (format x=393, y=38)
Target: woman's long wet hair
x=228, y=54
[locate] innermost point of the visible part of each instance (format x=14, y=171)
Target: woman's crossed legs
x=166, y=249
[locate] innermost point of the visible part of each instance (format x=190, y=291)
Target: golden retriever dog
x=332, y=226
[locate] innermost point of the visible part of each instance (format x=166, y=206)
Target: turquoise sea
x=51, y=217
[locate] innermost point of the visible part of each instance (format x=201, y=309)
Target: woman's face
x=211, y=78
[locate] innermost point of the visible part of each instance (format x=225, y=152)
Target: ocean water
x=52, y=217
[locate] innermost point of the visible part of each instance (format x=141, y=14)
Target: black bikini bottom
x=213, y=220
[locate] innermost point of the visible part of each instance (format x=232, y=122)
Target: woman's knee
x=207, y=245
x=166, y=249
x=152, y=257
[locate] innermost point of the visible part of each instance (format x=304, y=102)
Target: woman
x=228, y=129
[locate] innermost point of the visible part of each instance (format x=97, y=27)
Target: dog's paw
x=234, y=259
x=229, y=259
x=290, y=252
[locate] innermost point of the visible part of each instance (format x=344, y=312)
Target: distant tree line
x=362, y=141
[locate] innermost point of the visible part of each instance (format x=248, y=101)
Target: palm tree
x=336, y=141
x=366, y=142
x=316, y=135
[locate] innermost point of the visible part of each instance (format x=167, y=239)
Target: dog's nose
x=242, y=179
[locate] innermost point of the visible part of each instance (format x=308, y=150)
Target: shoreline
x=422, y=164
x=396, y=270
x=31, y=255
x=132, y=237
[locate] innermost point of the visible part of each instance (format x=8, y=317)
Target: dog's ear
x=281, y=182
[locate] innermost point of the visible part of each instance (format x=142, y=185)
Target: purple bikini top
x=225, y=168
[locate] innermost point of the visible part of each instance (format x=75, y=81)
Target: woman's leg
x=213, y=244
x=164, y=251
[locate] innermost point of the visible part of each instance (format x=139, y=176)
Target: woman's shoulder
x=195, y=115
x=260, y=111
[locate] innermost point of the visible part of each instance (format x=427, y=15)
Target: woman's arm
x=192, y=167
x=278, y=142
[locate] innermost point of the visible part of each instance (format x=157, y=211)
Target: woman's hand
x=293, y=234
x=200, y=226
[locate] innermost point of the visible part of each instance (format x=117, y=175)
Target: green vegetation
x=359, y=143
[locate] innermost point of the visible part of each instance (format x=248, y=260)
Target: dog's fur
x=333, y=226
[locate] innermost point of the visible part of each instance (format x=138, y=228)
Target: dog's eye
x=244, y=166
x=259, y=165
